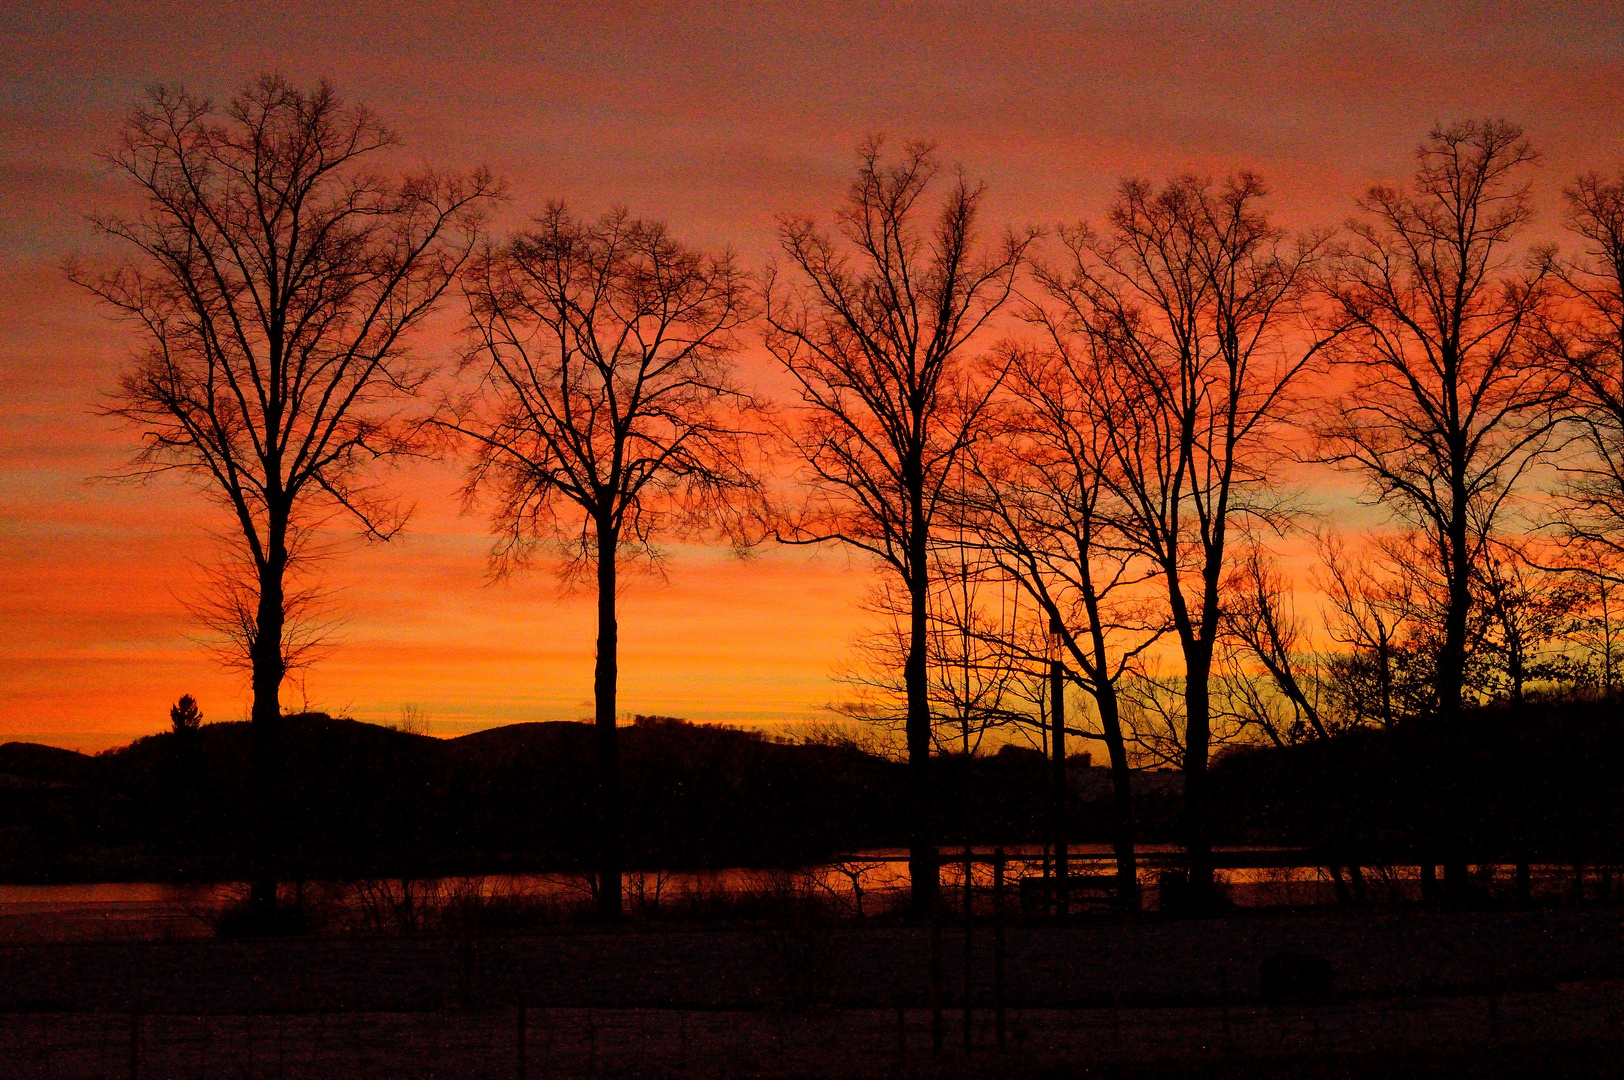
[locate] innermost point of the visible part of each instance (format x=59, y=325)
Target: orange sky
x=714, y=117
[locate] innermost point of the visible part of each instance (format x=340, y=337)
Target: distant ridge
x=362, y=799
x=359, y=799
x=49, y=764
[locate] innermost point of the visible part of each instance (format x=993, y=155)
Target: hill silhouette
x=357, y=799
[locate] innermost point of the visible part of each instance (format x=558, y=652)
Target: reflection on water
x=863, y=884
x=18, y=899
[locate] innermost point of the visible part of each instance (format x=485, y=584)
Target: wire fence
x=527, y=1042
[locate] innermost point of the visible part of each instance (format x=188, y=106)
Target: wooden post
x=998, y=944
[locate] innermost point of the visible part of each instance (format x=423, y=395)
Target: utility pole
x=969, y=770
x=1057, y=699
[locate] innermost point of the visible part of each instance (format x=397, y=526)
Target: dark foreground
x=1467, y=994
x=1573, y=1033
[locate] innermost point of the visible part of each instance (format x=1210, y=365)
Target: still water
x=866, y=883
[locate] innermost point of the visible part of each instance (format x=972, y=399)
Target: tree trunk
x=1452, y=683
x=1062, y=860
x=1197, y=742
x=603, y=693
x=1340, y=887
x=1384, y=658
x=924, y=869
x=1519, y=675
x=1452, y=661
x=1457, y=887
x=1123, y=829
x=265, y=730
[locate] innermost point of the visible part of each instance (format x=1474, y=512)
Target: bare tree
x=1528, y=613
x=874, y=331
x=1262, y=623
x=275, y=278
x=1585, y=336
x=1375, y=612
x=975, y=686
x=1190, y=296
x=1597, y=632
x=1046, y=513
x=606, y=418
x=971, y=680
x=1446, y=411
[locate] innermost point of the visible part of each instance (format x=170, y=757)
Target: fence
x=531, y=1043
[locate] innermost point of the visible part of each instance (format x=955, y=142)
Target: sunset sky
x=715, y=118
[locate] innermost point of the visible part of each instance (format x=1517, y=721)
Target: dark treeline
x=1539, y=784
x=1071, y=455
x=363, y=801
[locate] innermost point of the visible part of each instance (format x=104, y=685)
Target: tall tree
x=275, y=278
x=1585, y=336
x=1445, y=410
x=605, y=419
x=875, y=329
x=1190, y=296
x=1046, y=513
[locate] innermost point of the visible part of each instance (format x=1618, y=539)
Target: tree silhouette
x=1447, y=409
x=184, y=716
x=274, y=282
x=1262, y=625
x=1045, y=512
x=606, y=418
x=1377, y=610
x=874, y=330
x=1188, y=297
x=1586, y=338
